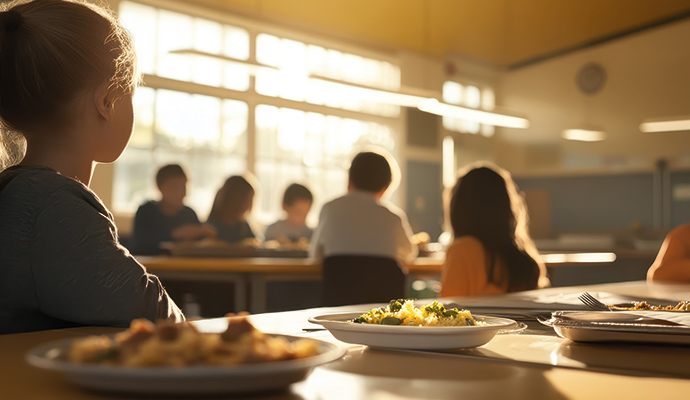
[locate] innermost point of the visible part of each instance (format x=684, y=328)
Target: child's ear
x=103, y=101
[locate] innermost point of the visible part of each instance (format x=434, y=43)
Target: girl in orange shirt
x=673, y=261
x=492, y=252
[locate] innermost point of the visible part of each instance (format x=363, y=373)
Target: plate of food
x=681, y=306
x=646, y=326
x=177, y=359
x=402, y=325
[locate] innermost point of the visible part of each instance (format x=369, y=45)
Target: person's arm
x=463, y=271
x=81, y=273
x=407, y=250
x=147, y=234
x=315, y=244
x=673, y=260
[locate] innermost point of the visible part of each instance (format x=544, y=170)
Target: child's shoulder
x=42, y=179
x=31, y=184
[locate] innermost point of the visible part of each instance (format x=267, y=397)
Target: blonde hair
x=52, y=52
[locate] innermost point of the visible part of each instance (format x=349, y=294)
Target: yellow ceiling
x=498, y=32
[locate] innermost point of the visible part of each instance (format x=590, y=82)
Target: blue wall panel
x=424, y=197
x=586, y=203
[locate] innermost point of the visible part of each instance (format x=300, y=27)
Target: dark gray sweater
x=60, y=260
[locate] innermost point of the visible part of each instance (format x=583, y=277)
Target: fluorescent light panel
x=380, y=95
x=666, y=125
x=579, y=258
x=584, y=135
x=253, y=67
x=434, y=106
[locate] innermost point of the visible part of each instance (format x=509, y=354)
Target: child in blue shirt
x=169, y=219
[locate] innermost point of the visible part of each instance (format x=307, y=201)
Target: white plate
x=411, y=337
x=183, y=380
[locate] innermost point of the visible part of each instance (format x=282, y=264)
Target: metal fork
x=593, y=303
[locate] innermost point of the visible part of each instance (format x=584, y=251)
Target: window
x=310, y=148
x=296, y=62
x=195, y=110
x=472, y=97
x=206, y=134
x=160, y=33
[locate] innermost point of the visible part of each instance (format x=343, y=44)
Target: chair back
x=356, y=279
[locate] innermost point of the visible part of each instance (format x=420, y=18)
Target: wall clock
x=591, y=78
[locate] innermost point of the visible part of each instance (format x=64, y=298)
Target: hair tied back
x=11, y=20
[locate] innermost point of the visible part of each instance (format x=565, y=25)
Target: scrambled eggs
x=404, y=312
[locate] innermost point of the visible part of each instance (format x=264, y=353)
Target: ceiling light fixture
x=407, y=97
x=434, y=106
x=584, y=135
x=672, y=124
x=253, y=67
x=380, y=95
x=425, y=101
x=605, y=257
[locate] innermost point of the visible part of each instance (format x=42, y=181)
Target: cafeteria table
x=533, y=364
x=250, y=275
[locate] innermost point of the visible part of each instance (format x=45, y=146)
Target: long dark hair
x=485, y=204
x=231, y=201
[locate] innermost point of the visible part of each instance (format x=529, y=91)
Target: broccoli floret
x=440, y=310
x=359, y=320
x=435, y=308
x=452, y=313
x=391, y=321
x=395, y=305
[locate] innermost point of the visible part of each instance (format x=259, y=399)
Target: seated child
x=168, y=219
x=672, y=263
x=67, y=83
x=359, y=223
x=232, y=205
x=297, y=201
x=492, y=252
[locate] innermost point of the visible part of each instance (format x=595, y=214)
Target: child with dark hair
x=67, y=78
x=168, y=219
x=231, y=206
x=297, y=201
x=359, y=223
x=492, y=252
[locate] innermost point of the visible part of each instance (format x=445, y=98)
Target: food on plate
x=644, y=306
x=404, y=312
x=180, y=344
x=287, y=244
